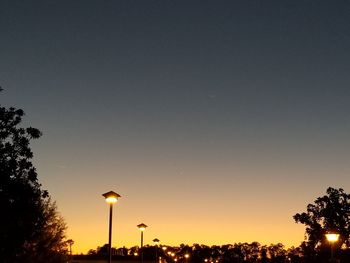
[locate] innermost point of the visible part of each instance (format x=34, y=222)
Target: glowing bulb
x=111, y=200
x=332, y=237
x=111, y=197
x=142, y=227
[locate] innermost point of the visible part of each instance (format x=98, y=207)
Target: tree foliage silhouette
x=27, y=214
x=330, y=212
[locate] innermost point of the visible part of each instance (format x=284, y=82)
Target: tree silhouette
x=27, y=214
x=330, y=212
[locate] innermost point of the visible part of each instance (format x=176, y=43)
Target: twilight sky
x=216, y=121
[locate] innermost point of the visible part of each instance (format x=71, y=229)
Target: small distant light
x=142, y=227
x=332, y=237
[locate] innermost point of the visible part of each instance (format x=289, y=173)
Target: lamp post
x=142, y=228
x=187, y=256
x=332, y=238
x=111, y=198
x=156, y=242
x=70, y=242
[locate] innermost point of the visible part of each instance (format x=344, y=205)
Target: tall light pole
x=332, y=238
x=70, y=242
x=142, y=228
x=156, y=242
x=111, y=198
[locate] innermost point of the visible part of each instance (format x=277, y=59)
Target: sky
x=216, y=121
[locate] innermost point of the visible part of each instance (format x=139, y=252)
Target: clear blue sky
x=223, y=111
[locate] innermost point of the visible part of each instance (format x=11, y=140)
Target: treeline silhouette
x=231, y=253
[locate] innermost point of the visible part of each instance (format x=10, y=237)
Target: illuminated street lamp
x=111, y=198
x=142, y=228
x=332, y=238
x=156, y=242
x=187, y=256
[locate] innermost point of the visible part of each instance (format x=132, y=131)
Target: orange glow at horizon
x=173, y=234
x=186, y=210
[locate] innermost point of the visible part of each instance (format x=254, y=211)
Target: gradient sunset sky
x=216, y=121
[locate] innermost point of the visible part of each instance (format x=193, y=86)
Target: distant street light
x=70, y=242
x=111, y=198
x=332, y=238
x=142, y=228
x=156, y=242
x=187, y=256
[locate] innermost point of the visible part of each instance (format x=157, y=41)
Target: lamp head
x=111, y=197
x=142, y=227
x=332, y=237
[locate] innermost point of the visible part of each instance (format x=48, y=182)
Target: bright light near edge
x=187, y=255
x=111, y=200
x=332, y=237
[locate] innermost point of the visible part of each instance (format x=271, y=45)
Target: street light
x=142, y=228
x=187, y=256
x=156, y=242
x=111, y=198
x=332, y=238
x=70, y=242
